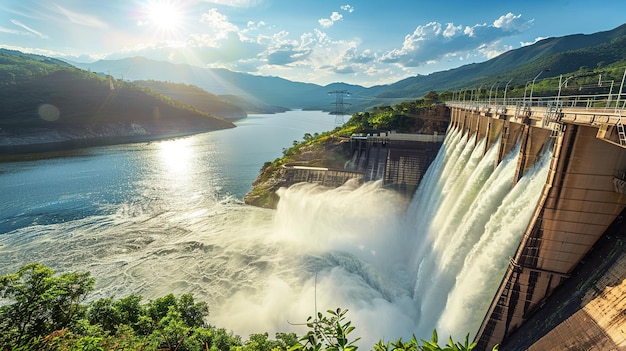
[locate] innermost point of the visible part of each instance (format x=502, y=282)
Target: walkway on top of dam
x=600, y=110
x=581, y=198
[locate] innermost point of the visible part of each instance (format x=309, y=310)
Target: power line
x=340, y=105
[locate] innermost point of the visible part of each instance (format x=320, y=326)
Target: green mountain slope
x=195, y=97
x=44, y=102
x=561, y=55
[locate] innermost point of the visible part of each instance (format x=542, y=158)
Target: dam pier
x=583, y=195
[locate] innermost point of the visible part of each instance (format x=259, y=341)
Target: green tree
x=130, y=310
x=328, y=333
x=171, y=331
x=431, y=97
x=40, y=303
x=193, y=313
x=103, y=313
x=261, y=342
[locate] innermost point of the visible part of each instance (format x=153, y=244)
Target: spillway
x=467, y=219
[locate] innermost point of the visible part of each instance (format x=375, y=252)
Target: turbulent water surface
x=165, y=217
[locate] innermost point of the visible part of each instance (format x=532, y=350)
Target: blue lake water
x=80, y=183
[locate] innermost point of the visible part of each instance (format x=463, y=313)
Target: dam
x=584, y=195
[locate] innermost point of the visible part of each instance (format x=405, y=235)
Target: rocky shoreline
x=332, y=153
x=19, y=142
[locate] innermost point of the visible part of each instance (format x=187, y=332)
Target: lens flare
x=48, y=112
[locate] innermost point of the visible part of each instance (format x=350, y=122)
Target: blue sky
x=362, y=42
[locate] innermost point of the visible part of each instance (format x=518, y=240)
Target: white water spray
x=437, y=265
x=464, y=242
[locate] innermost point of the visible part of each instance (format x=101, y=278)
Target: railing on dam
x=392, y=136
x=605, y=111
x=585, y=101
x=605, y=104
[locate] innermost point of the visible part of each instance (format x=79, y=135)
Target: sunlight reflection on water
x=176, y=155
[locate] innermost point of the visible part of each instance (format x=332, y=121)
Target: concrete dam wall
x=582, y=197
x=399, y=160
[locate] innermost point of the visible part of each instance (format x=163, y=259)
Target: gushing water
x=399, y=269
x=468, y=222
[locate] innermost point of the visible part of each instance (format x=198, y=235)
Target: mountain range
x=561, y=55
x=47, y=101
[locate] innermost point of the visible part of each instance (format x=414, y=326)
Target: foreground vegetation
x=42, y=310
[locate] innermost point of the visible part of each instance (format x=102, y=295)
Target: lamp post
x=561, y=84
x=525, y=88
x=489, y=103
x=505, y=89
x=620, y=91
x=533, y=85
x=477, y=105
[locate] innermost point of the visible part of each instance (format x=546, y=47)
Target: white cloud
x=336, y=16
x=217, y=21
x=82, y=19
x=494, y=49
x=526, y=43
x=432, y=42
x=327, y=22
x=28, y=29
x=351, y=55
x=512, y=23
x=251, y=25
x=451, y=30
x=218, y=27
x=282, y=51
x=347, y=8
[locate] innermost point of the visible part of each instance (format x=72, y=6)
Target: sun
x=165, y=15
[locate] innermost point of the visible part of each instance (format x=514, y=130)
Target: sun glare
x=165, y=15
x=176, y=155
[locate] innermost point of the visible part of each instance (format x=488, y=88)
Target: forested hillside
x=568, y=55
x=44, y=101
x=196, y=97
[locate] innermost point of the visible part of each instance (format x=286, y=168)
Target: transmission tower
x=340, y=105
